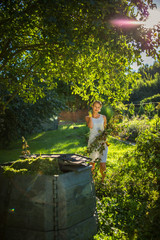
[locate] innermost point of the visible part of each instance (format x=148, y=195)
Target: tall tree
x=72, y=41
x=147, y=71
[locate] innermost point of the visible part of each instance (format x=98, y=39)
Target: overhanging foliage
x=72, y=41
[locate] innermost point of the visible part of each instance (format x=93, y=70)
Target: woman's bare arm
x=105, y=121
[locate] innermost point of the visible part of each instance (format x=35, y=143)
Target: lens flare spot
x=152, y=20
x=124, y=23
x=12, y=210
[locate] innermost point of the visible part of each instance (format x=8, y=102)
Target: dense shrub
x=129, y=201
x=108, y=111
x=22, y=119
x=154, y=98
x=145, y=88
x=131, y=110
x=130, y=129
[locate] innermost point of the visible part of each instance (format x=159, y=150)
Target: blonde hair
x=99, y=102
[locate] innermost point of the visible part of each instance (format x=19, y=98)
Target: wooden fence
x=73, y=116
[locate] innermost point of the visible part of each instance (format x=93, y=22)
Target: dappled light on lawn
x=117, y=150
x=64, y=140
x=38, y=135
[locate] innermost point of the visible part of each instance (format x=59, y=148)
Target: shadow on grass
x=66, y=139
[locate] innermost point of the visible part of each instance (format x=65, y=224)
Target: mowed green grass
x=66, y=139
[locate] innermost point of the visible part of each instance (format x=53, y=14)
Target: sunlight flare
x=124, y=23
x=153, y=19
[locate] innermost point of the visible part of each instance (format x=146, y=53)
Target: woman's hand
x=89, y=120
x=90, y=114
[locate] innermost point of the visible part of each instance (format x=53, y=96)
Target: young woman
x=97, y=122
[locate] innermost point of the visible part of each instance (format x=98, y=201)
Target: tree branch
x=16, y=92
x=18, y=50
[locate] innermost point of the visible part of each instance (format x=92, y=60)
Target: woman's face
x=96, y=108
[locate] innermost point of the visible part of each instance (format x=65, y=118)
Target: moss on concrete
x=45, y=166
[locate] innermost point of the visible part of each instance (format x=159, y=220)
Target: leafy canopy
x=45, y=41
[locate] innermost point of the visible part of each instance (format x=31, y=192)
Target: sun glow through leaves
x=124, y=23
x=153, y=19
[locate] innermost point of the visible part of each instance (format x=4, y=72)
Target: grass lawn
x=66, y=139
